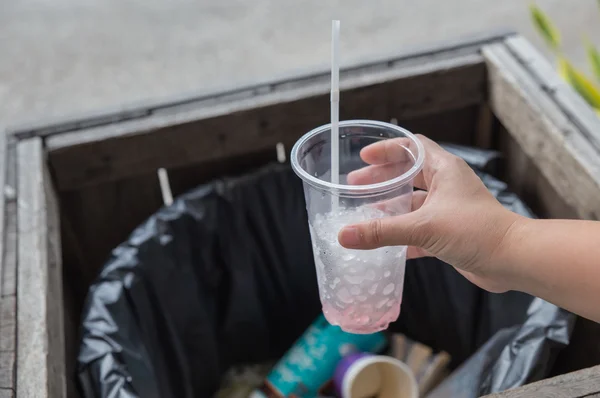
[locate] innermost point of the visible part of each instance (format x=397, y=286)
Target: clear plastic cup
x=360, y=290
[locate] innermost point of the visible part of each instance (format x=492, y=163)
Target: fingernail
x=349, y=237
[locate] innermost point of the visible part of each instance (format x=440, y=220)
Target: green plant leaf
x=545, y=27
x=593, y=58
x=584, y=86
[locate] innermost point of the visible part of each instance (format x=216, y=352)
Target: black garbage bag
x=513, y=356
x=225, y=276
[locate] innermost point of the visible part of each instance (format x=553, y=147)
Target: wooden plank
x=562, y=154
x=578, y=384
x=55, y=300
x=6, y=366
x=485, y=126
x=409, y=89
x=457, y=126
x=8, y=275
x=91, y=230
x=470, y=44
x=8, y=262
x=431, y=89
x=8, y=325
x=40, y=342
x=7, y=341
x=464, y=71
x=100, y=218
x=3, y=173
x=570, y=102
x=532, y=187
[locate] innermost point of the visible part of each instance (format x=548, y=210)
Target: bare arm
x=457, y=220
x=557, y=260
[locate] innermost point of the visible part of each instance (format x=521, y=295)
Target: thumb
x=404, y=230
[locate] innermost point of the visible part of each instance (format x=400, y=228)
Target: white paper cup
x=376, y=375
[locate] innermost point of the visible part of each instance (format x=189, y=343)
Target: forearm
x=557, y=260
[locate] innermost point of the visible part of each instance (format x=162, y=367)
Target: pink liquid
x=362, y=321
x=361, y=290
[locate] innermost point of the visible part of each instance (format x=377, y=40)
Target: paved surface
x=63, y=57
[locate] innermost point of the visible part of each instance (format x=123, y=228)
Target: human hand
x=454, y=218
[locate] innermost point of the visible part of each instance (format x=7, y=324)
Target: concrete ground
x=63, y=57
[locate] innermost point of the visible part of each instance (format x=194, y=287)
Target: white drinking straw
x=335, y=108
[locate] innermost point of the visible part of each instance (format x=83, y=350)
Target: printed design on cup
x=347, y=349
x=306, y=369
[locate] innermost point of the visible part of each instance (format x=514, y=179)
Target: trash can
x=76, y=188
x=225, y=276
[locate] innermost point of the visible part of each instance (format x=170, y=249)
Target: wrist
x=505, y=260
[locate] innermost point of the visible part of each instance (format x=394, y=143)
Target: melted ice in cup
x=361, y=290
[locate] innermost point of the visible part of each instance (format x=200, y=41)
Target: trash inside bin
x=225, y=276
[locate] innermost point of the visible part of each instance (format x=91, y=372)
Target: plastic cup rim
x=358, y=189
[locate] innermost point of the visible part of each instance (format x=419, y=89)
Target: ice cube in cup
x=360, y=290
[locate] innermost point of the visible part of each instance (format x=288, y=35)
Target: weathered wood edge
x=582, y=383
x=9, y=268
x=447, y=64
x=3, y=173
x=198, y=135
x=8, y=261
x=544, y=132
x=40, y=342
x=568, y=100
x=143, y=109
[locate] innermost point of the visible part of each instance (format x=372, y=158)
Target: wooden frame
x=8, y=267
x=242, y=121
x=33, y=363
x=39, y=299
x=480, y=90
x=584, y=383
x=549, y=121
